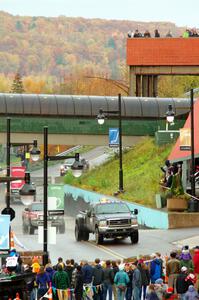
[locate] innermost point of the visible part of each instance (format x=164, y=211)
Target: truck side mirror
x=26, y=209
x=135, y=211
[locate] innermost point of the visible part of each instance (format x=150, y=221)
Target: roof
x=177, y=154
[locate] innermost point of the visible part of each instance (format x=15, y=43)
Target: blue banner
x=4, y=232
x=113, y=137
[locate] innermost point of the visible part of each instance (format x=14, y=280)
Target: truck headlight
x=133, y=221
x=102, y=223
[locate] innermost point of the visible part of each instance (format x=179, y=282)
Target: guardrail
x=69, y=151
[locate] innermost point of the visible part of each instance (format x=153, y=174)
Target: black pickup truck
x=107, y=220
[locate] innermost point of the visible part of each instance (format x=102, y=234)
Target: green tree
x=17, y=85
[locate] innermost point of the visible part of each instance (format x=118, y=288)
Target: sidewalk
x=192, y=242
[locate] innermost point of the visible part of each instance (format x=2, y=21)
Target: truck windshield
x=37, y=206
x=112, y=208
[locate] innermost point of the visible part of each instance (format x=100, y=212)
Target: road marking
x=106, y=250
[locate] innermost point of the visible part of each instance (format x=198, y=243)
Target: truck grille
x=119, y=222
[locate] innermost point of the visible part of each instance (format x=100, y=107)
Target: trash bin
x=193, y=205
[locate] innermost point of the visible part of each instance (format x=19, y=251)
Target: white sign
x=51, y=235
x=11, y=261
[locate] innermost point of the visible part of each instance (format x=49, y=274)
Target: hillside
x=141, y=172
x=62, y=47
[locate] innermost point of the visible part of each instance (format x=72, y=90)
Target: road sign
x=113, y=137
x=9, y=211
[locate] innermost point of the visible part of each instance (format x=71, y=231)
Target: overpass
x=72, y=119
x=148, y=58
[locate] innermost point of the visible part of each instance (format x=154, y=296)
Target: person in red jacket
x=196, y=267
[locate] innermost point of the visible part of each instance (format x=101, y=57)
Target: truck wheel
x=85, y=236
x=24, y=228
x=134, y=237
x=31, y=229
x=62, y=228
x=98, y=237
x=78, y=234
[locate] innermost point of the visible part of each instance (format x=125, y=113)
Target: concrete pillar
x=155, y=85
x=132, y=83
x=138, y=86
x=150, y=86
x=145, y=85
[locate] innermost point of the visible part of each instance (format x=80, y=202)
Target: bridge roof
x=177, y=154
x=70, y=106
x=163, y=52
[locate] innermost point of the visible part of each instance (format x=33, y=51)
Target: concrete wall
x=78, y=199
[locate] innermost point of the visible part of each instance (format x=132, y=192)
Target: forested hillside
x=65, y=46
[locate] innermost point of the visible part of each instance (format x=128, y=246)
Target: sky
x=180, y=12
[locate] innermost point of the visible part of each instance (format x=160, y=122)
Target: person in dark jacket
x=108, y=281
x=182, y=283
x=144, y=271
x=136, y=282
x=128, y=270
x=78, y=283
x=155, y=268
x=156, y=33
x=98, y=276
x=69, y=270
x=87, y=272
x=42, y=281
x=115, y=270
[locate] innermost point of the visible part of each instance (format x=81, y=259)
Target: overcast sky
x=181, y=12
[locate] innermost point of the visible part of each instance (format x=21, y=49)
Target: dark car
x=68, y=164
x=107, y=220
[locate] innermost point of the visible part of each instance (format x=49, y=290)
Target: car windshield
x=37, y=206
x=69, y=161
x=112, y=208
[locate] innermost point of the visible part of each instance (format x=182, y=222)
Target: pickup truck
x=68, y=164
x=32, y=217
x=107, y=220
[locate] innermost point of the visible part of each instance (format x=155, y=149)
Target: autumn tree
x=17, y=85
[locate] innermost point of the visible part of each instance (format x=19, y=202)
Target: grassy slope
x=141, y=169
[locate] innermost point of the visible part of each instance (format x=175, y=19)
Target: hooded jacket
x=155, y=270
x=196, y=261
x=98, y=275
x=191, y=294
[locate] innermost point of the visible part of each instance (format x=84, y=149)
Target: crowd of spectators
x=137, y=34
x=154, y=278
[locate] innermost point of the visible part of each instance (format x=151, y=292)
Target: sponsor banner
x=4, y=232
x=17, y=172
x=185, y=139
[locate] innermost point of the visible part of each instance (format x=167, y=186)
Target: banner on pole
x=185, y=139
x=4, y=232
x=113, y=137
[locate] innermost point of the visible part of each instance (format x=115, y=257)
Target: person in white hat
x=181, y=283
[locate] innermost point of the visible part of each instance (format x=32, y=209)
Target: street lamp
x=169, y=116
x=35, y=152
x=76, y=168
x=101, y=119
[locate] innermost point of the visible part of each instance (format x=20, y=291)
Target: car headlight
x=102, y=223
x=133, y=221
x=62, y=167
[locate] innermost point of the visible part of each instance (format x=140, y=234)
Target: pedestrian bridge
x=72, y=119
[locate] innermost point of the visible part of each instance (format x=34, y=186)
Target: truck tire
x=85, y=236
x=98, y=237
x=62, y=228
x=78, y=233
x=31, y=229
x=134, y=237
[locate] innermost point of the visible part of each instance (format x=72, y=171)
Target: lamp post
x=76, y=168
x=35, y=152
x=101, y=119
x=169, y=116
x=193, y=189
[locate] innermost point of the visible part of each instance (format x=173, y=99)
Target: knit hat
x=159, y=281
x=184, y=269
x=170, y=290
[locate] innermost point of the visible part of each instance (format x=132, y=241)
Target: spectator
x=165, y=170
x=151, y=294
x=98, y=276
x=136, y=282
x=87, y=272
x=160, y=288
x=78, y=291
x=156, y=33
x=170, y=294
x=155, y=268
x=121, y=280
x=182, y=283
x=42, y=281
x=191, y=294
x=129, y=272
x=108, y=280
x=193, y=32
x=69, y=270
x=196, y=266
x=186, y=33
x=50, y=272
x=145, y=276
x=169, y=34
x=62, y=282
x=137, y=34
x=129, y=34
x=186, y=259
x=115, y=270
x=59, y=262
x=147, y=34
x=35, y=265
x=172, y=270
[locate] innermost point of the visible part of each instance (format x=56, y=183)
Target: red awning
x=177, y=154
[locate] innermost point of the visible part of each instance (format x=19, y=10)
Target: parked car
x=68, y=164
x=32, y=217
